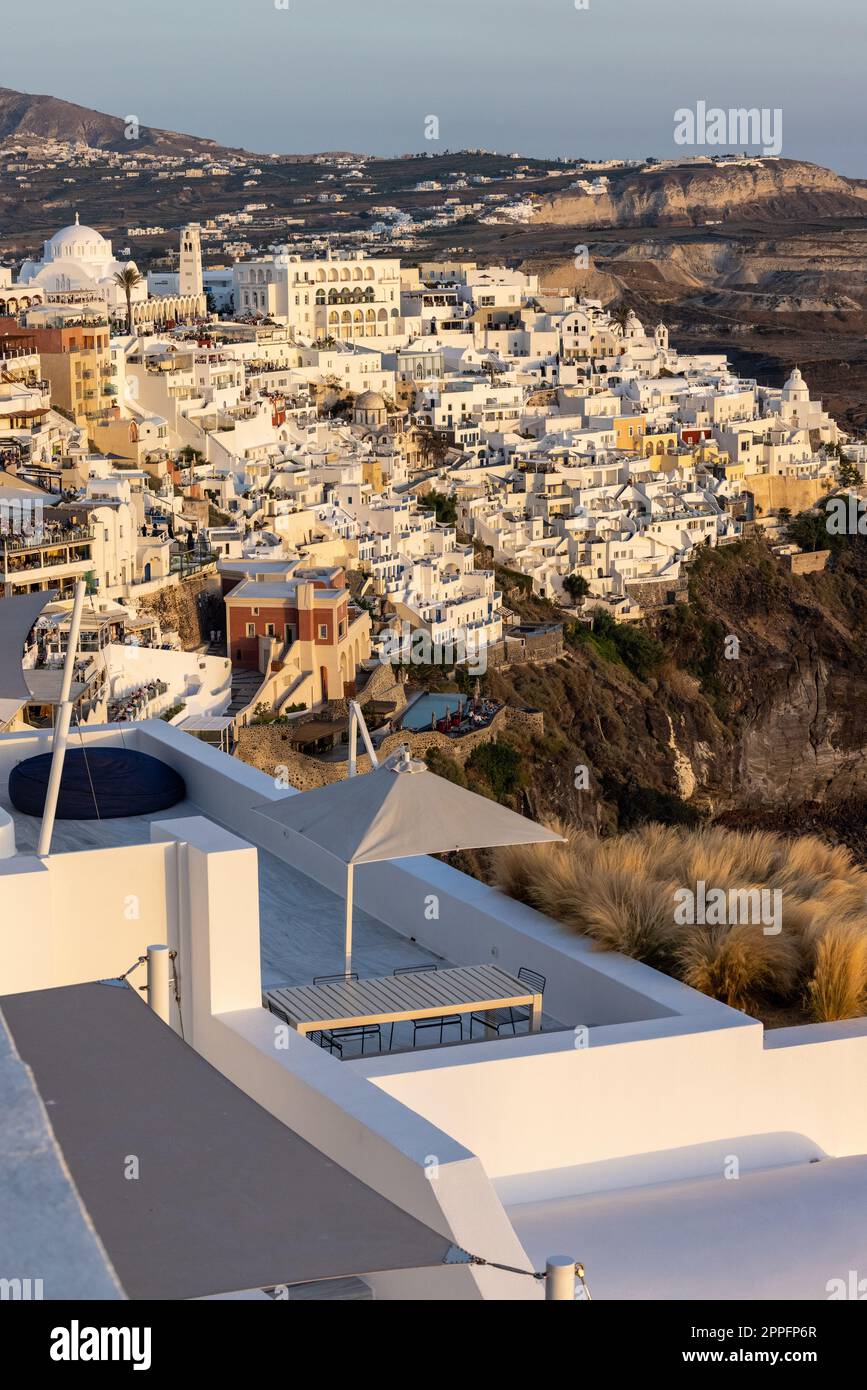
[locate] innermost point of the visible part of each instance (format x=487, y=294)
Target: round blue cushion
x=106, y=784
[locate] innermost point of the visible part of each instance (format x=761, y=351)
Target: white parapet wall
x=81, y=916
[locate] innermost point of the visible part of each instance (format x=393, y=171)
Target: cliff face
x=780, y=725
x=776, y=189
x=191, y=608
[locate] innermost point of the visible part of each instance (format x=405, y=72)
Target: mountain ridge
x=25, y=116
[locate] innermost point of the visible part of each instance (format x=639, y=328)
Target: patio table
x=463, y=989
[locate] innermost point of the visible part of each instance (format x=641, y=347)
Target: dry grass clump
x=738, y=964
x=620, y=892
x=838, y=987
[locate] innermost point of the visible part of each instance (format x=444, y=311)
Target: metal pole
x=347, y=964
x=361, y=727
x=61, y=728
x=353, y=736
x=158, y=981
x=559, y=1278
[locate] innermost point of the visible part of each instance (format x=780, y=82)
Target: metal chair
x=418, y=1024
x=511, y=1017
x=274, y=1008
x=336, y=1037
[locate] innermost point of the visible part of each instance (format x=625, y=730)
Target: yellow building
x=665, y=442
x=75, y=359
x=371, y=472
x=629, y=431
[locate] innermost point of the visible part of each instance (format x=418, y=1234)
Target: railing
x=191, y=562
x=47, y=541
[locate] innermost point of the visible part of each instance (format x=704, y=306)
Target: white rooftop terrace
x=646, y=1084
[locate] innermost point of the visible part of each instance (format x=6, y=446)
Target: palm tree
x=620, y=316
x=128, y=279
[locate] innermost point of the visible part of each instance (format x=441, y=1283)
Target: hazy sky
x=539, y=76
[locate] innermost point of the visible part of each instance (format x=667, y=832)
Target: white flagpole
x=61, y=728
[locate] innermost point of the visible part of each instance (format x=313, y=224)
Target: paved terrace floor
x=301, y=923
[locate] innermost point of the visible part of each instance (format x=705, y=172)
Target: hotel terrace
x=603, y=1133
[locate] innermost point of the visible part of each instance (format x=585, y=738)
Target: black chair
x=419, y=1024
x=511, y=1017
x=274, y=1008
x=336, y=1037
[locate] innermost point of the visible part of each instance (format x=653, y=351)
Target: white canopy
x=398, y=810
x=17, y=616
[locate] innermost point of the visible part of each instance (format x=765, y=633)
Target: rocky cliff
x=772, y=190
x=699, y=725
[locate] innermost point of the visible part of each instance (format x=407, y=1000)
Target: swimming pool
x=418, y=716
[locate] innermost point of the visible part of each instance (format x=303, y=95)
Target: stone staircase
x=244, y=687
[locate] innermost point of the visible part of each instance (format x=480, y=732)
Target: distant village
x=339, y=454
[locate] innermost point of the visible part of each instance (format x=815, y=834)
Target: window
x=255, y=612
x=251, y=629
x=270, y=630
x=323, y=632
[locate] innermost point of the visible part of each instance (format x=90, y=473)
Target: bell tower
x=190, y=269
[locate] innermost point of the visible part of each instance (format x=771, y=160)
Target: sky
x=543, y=77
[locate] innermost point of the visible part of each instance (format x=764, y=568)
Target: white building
x=343, y=296
x=78, y=261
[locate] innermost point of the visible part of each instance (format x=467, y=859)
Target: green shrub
x=501, y=766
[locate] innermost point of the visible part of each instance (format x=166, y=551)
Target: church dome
x=78, y=243
x=796, y=387
x=370, y=400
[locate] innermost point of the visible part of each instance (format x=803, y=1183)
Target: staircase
x=244, y=687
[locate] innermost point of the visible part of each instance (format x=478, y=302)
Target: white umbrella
x=398, y=810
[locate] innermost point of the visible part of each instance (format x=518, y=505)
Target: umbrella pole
x=61, y=727
x=347, y=963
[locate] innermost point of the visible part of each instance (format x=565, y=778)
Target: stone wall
x=658, y=593
x=808, y=562
x=267, y=747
